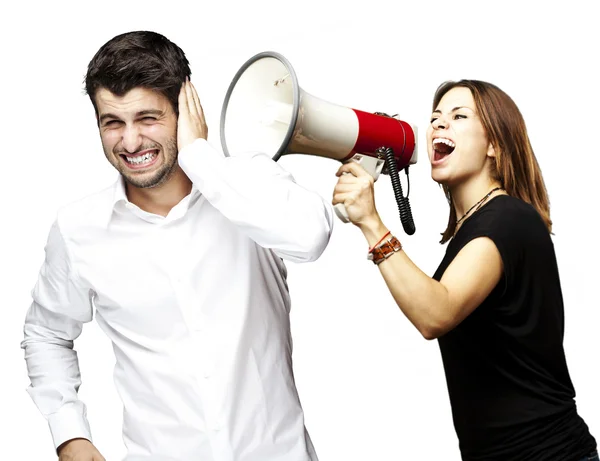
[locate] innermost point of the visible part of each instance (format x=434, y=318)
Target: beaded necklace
x=478, y=204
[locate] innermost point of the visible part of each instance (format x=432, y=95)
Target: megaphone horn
x=265, y=110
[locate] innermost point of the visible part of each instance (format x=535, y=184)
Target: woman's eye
x=457, y=116
x=433, y=120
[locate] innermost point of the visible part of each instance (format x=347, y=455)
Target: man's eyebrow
x=139, y=114
x=149, y=112
x=105, y=116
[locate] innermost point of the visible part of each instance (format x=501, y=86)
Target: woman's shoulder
x=511, y=214
x=509, y=207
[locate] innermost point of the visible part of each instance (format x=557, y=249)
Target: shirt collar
x=119, y=198
x=120, y=194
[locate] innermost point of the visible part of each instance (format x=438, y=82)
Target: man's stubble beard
x=159, y=177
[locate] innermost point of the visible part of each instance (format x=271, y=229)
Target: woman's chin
x=439, y=177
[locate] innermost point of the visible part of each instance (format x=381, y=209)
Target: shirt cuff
x=70, y=422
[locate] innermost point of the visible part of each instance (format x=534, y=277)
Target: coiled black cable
x=406, y=216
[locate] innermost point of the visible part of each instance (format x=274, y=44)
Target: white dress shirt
x=196, y=306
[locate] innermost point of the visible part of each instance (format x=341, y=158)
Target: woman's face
x=456, y=140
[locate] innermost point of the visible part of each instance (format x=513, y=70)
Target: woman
x=495, y=302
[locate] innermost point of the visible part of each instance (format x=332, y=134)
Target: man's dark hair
x=138, y=59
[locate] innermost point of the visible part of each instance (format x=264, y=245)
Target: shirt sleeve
x=512, y=229
x=256, y=194
x=54, y=320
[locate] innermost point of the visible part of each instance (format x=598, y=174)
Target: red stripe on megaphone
x=375, y=131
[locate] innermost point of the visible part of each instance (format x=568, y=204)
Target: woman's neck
x=466, y=195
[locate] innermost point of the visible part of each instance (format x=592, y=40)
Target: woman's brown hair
x=516, y=167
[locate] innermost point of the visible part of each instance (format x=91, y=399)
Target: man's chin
x=142, y=183
x=148, y=180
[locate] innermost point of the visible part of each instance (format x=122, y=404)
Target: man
x=181, y=262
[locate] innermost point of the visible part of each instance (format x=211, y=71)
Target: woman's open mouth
x=442, y=147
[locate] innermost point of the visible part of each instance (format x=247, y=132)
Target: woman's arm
x=433, y=307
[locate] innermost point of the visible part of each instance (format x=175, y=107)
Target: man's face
x=139, y=135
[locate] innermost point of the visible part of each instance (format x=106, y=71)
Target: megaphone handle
x=373, y=166
x=340, y=211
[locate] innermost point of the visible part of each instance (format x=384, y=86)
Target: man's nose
x=132, y=139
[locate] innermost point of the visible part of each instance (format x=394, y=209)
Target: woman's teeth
x=443, y=146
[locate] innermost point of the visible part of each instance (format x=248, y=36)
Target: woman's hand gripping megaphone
x=351, y=192
x=353, y=195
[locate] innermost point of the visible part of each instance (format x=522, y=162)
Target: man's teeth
x=146, y=158
x=443, y=140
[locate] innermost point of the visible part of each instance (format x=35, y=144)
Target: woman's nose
x=440, y=123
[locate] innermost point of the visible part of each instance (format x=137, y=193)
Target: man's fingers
x=190, y=99
x=196, y=100
x=182, y=100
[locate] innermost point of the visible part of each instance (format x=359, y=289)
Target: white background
x=371, y=387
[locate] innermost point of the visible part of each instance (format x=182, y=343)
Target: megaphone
x=265, y=110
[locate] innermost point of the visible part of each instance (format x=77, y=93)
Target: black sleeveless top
x=511, y=394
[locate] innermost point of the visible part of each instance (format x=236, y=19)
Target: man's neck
x=161, y=199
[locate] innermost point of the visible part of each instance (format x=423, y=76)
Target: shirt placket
x=201, y=355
